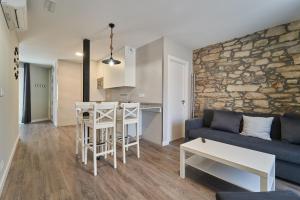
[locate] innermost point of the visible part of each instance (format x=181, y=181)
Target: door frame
x=186, y=95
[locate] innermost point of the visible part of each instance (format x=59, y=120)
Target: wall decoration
x=16, y=62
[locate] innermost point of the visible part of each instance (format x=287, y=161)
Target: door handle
x=183, y=101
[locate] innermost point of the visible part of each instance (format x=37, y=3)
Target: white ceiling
x=192, y=23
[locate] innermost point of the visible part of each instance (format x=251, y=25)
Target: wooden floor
x=45, y=167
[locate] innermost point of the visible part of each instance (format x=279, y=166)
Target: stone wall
x=256, y=73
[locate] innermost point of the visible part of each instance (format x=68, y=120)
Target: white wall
x=68, y=81
x=39, y=76
x=149, y=83
x=174, y=49
x=10, y=102
x=95, y=73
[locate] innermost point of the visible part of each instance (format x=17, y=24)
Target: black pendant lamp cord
x=111, y=40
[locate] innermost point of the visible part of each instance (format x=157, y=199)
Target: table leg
x=182, y=163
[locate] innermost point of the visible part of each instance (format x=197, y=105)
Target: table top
x=250, y=160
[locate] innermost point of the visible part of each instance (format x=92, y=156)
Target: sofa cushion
x=208, y=116
x=275, y=195
x=275, y=128
x=295, y=115
x=283, y=151
x=226, y=121
x=290, y=130
x=259, y=127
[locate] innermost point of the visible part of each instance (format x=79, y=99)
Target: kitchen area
x=142, y=76
x=139, y=78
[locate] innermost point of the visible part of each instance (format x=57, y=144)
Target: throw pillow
x=290, y=130
x=259, y=127
x=226, y=121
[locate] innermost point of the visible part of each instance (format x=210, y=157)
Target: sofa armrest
x=192, y=124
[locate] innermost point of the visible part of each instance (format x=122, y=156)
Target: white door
x=177, y=97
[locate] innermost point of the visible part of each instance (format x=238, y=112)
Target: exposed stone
x=256, y=52
x=247, y=46
x=238, y=72
x=289, y=68
x=262, y=110
x=278, y=30
x=248, y=60
x=241, y=53
x=241, y=68
x=256, y=73
x=229, y=43
x=261, y=103
x=233, y=75
x=292, y=81
x=232, y=47
x=294, y=26
x=255, y=95
x=219, y=105
x=242, y=88
x=253, y=68
x=263, y=61
x=289, y=36
x=226, y=54
x=235, y=94
x=281, y=45
x=210, y=57
x=216, y=50
x=214, y=94
x=279, y=96
x=267, y=90
x=278, y=53
x=209, y=90
x=296, y=59
x=275, y=65
x=294, y=49
x=239, y=103
x=261, y=43
x=266, y=54
x=291, y=74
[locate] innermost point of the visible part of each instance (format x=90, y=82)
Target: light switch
x=141, y=95
x=1, y=92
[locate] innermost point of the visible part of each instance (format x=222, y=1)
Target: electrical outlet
x=141, y=95
x=1, y=165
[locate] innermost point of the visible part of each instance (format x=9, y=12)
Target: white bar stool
x=103, y=119
x=80, y=108
x=131, y=112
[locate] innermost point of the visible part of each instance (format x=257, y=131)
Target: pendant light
x=111, y=61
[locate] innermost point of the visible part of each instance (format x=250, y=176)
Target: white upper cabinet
x=122, y=75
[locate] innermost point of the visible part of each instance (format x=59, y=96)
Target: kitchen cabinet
x=122, y=75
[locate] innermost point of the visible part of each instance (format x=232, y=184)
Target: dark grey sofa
x=278, y=195
x=287, y=155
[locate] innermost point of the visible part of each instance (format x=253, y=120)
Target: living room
x=197, y=100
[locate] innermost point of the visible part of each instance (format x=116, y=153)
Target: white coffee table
x=251, y=170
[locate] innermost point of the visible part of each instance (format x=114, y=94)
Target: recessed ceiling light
x=79, y=54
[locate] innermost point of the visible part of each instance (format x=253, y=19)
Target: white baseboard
x=40, y=120
x=3, y=179
x=165, y=143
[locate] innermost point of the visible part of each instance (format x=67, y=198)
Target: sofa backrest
x=275, y=129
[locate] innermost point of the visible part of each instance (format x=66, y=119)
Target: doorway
x=177, y=97
x=40, y=93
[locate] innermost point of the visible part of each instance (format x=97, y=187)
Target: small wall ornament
x=16, y=62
